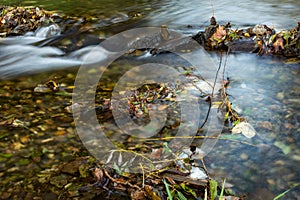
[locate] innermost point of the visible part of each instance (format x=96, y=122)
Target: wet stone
x=59, y=181
x=244, y=156
x=280, y=95
x=72, y=168
x=48, y=196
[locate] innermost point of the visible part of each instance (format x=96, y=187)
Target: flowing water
x=264, y=89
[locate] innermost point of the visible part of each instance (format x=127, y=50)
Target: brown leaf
x=156, y=153
x=25, y=139
x=289, y=126
x=219, y=34
x=278, y=44
x=138, y=195
x=98, y=173
x=265, y=125
x=155, y=181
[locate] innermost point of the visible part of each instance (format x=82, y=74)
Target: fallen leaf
x=245, y=128
x=60, y=132
x=220, y=34
x=138, y=195
x=24, y=139
x=278, y=44
x=156, y=153
x=150, y=193
x=289, y=126
x=265, y=125
x=17, y=145
x=285, y=148
x=247, y=35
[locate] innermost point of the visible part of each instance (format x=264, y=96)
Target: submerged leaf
x=285, y=148
x=245, y=128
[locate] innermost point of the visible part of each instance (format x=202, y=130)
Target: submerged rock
x=59, y=181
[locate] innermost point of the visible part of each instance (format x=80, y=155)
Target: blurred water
x=279, y=13
x=266, y=91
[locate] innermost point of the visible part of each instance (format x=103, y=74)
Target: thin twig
x=204, y=167
x=143, y=184
x=212, y=7
x=119, y=182
x=197, y=137
x=225, y=63
x=212, y=93
x=226, y=100
x=223, y=79
x=215, y=82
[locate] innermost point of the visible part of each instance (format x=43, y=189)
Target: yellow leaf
x=246, y=35
x=150, y=193
x=278, y=44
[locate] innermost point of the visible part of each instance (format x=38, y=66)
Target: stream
x=264, y=89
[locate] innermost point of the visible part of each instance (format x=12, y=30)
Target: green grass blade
x=168, y=190
x=181, y=196
x=281, y=195
x=222, y=191
x=284, y=193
